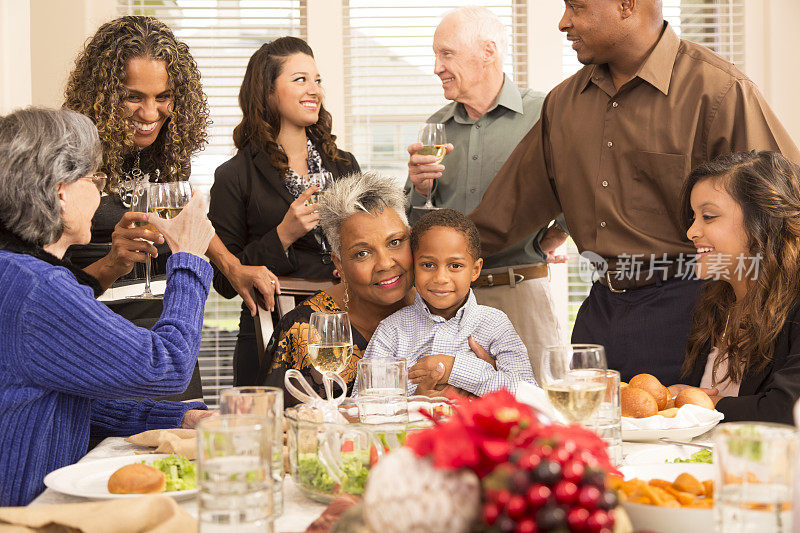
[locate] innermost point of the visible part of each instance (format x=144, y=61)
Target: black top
x=249, y=200
x=767, y=396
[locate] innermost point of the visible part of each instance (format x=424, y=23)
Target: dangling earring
x=346, y=298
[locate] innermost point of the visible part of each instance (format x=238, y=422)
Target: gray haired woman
x=67, y=362
x=363, y=217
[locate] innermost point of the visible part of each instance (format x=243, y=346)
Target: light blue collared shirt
x=414, y=332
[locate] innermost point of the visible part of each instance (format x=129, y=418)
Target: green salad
x=180, y=472
x=703, y=456
x=313, y=475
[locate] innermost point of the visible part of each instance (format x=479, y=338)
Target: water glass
x=382, y=390
x=266, y=402
x=755, y=467
x=234, y=458
x=607, y=420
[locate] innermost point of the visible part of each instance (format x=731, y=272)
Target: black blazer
x=766, y=396
x=249, y=200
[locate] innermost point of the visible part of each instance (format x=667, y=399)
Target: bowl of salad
x=328, y=459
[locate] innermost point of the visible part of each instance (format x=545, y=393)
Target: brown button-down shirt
x=614, y=160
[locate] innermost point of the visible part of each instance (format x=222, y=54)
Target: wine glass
x=574, y=377
x=149, y=197
x=322, y=180
x=330, y=346
x=434, y=143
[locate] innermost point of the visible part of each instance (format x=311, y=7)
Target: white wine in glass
x=434, y=143
x=150, y=198
x=573, y=377
x=330, y=341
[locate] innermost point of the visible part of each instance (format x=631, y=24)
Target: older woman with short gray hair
x=363, y=217
x=67, y=363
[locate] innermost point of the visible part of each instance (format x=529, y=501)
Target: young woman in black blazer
x=743, y=213
x=258, y=201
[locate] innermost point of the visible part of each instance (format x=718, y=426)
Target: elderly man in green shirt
x=488, y=117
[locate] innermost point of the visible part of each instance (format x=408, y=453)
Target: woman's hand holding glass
x=299, y=219
x=190, y=231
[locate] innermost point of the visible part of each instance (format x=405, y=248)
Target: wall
x=15, y=56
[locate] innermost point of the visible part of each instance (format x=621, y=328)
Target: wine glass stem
x=429, y=199
x=147, y=276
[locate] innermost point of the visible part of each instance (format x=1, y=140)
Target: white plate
x=657, y=455
x=646, y=435
x=89, y=479
x=669, y=519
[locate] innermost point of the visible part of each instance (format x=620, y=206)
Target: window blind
x=222, y=35
x=390, y=87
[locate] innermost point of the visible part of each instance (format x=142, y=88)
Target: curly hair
x=261, y=121
x=448, y=218
x=767, y=188
x=96, y=88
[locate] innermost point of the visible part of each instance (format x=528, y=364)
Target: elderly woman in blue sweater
x=68, y=365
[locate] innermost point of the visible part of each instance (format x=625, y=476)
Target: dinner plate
x=89, y=479
x=669, y=519
x=666, y=453
x=646, y=435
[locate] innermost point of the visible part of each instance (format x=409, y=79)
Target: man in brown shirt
x=611, y=150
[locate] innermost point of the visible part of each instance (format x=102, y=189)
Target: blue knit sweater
x=67, y=363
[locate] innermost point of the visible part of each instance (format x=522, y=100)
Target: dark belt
x=625, y=280
x=512, y=276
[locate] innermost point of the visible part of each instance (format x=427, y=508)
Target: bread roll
x=694, y=396
x=637, y=403
x=650, y=383
x=137, y=479
x=669, y=413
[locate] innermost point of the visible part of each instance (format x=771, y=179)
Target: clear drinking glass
x=607, y=420
x=574, y=378
x=268, y=403
x=234, y=459
x=434, y=142
x=382, y=390
x=755, y=465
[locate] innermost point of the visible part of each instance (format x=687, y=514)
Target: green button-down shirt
x=481, y=148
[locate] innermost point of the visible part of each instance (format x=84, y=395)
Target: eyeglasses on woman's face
x=99, y=179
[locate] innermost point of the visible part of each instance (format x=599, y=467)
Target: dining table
x=298, y=510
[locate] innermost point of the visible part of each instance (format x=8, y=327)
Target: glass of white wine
x=149, y=197
x=574, y=377
x=434, y=143
x=330, y=346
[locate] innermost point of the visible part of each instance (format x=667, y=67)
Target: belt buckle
x=608, y=281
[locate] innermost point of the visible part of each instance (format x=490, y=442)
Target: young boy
x=438, y=333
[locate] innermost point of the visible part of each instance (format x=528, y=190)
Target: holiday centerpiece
x=496, y=465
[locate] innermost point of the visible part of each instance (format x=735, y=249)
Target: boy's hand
x=480, y=352
x=433, y=368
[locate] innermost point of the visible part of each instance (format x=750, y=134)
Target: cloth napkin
x=688, y=416
x=148, y=514
x=181, y=442
x=536, y=397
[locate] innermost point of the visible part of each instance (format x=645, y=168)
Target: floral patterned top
x=288, y=349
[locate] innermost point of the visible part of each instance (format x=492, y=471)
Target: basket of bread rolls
x=648, y=408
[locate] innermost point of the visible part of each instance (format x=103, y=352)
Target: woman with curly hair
x=743, y=214
x=260, y=202
x=141, y=88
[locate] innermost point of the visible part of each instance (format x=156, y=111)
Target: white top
x=714, y=379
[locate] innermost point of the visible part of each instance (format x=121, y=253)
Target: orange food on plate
x=137, y=479
x=685, y=491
